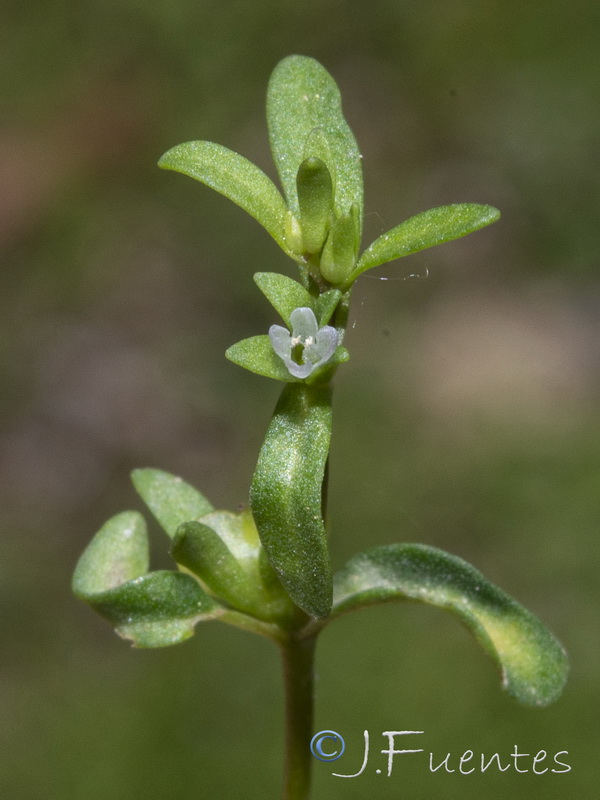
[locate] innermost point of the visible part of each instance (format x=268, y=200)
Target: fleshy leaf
x=436, y=226
x=198, y=548
x=153, y=610
x=224, y=551
x=157, y=610
x=326, y=304
x=283, y=293
x=234, y=176
x=256, y=354
x=169, y=498
x=317, y=146
x=303, y=96
x=239, y=533
x=533, y=664
x=286, y=495
x=339, y=254
x=315, y=198
x=117, y=553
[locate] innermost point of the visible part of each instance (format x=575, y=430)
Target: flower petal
x=299, y=370
x=321, y=350
x=281, y=341
x=304, y=323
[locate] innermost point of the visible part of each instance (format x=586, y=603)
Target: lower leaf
x=533, y=663
x=286, y=495
x=153, y=609
x=156, y=610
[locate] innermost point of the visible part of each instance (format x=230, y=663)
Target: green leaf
x=285, y=496
x=283, y=293
x=533, y=664
x=157, y=610
x=326, y=304
x=238, y=533
x=153, y=610
x=436, y=226
x=224, y=551
x=267, y=598
x=315, y=199
x=198, y=548
x=117, y=553
x=303, y=96
x=235, y=177
x=257, y=355
x=317, y=146
x=169, y=498
x=339, y=254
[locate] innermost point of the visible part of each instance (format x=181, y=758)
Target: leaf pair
x=156, y=609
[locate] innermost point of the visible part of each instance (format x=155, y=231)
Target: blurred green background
x=467, y=417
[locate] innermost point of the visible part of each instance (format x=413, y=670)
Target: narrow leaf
x=224, y=550
x=283, y=293
x=169, y=498
x=315, y=198
x=263, y=594
x=257, y=355
x=303, y=96
x=201, y=550
x=235, y=177
x=286, y=495
x=326, y=304
x=532, y=662
x=339, y=254
x=436, y=226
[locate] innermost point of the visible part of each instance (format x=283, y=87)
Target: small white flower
x=307, y=347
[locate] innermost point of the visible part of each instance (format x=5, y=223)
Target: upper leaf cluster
x=319, y=223
x=317, y=220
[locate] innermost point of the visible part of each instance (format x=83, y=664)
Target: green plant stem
x=298, y=675
x=340, y=318
x=248, y=623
